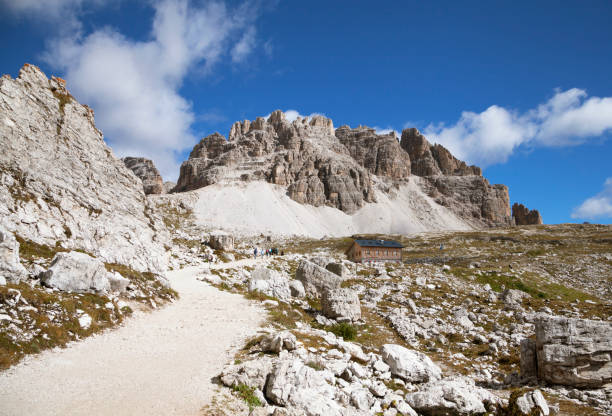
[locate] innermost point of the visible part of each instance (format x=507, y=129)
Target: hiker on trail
x=441, y=246
x=255, y=252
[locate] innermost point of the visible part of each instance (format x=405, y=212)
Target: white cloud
x=245, y=45
x=598, y=206
x=382, y=131
x=569, y=118
x=63, y=13
x=292, y=115
x=133, y=86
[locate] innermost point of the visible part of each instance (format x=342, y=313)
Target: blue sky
x=520, y=88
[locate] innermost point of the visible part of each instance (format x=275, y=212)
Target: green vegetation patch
x=146, y=282
x=54, y=317
x=247, y=394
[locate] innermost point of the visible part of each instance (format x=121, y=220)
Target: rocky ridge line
x=342, y=168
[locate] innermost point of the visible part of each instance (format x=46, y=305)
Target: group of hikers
x=266, y=252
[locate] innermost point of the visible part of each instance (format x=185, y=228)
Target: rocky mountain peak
x=524, y=216
x=152, y=182
x=302, y=155
x=432, y=160
x=379, y=154
x=341, y=168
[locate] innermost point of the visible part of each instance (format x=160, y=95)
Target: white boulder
x=458, y=396
x=10, y=265
x=410, y=365
x=270, y=282
x=341, y=304
x=277, y=342
x=316, y=279
x=76, y=272
x=294, y=384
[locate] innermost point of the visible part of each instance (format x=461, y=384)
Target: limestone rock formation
x=410, y=365
x=344, y=168
x=454, y=184
x=471, y=198
x=523, y=216
x=570, y=351
x=379, y=154
x=304, y=156
x=221, y=241
x=10, y=266
x=277, y=342
x=316, y=279
x=168, y=187
x=60, y=184
x=270, y=282
x=433, y=160
x=458, y=396
x=341, y=304
x=152, y=181
x=76, y=272
x=292, y=383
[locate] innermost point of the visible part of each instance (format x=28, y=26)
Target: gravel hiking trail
x=156, y=363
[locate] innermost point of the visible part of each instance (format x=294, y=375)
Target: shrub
x=344, y=330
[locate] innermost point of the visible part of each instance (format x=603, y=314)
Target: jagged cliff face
x=381, y=155
x=433, y=160
x=455, y=185
x=152, y=182
x=524, y=216
x=303, y=156
x=342, y=168
x=60, y=185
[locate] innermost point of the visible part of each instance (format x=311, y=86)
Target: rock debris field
x=158, y=363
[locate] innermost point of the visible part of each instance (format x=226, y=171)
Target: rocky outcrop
x=221, y=241
x=152, y=182
x=410, y=365
x=341, y=304
x=381, y=155
x=304, y=156
x=342, y=168
x=528, y=403
x=168, y=187
x=471, y=198
x=76, y=272
x=316, y=279
x=570, y=351
x=458, y=396
x=10, y=266
x=292, y=383
x=455, y=185
x=269, y=282
x=432, y=160
x=60, y=184
x=277, y=342
x=523, y=216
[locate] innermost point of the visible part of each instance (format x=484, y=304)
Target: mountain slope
x=61, y=185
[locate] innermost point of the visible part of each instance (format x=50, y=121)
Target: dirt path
x=158, y=363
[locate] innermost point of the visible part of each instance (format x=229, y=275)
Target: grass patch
x=247, y=394
x=54, y=318
x=146, y=282
x=29, y=250
x=315, y=365
x=347, y=331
